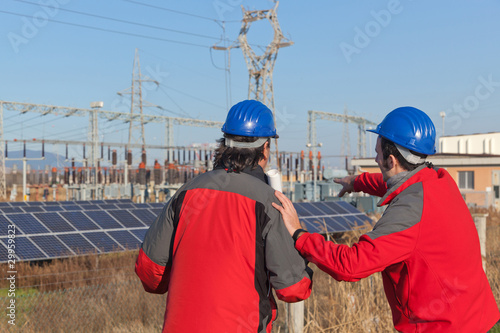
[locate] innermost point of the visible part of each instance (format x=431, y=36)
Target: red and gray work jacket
x=218, y=248
x=427, y=248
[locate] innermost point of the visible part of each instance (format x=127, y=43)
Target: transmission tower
x=260, y=67
x=137, y=103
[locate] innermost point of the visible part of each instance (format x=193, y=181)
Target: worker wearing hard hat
x=219, y=246
x=425, y=244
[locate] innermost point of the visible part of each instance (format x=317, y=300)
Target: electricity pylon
x=260, y=67
x=137, y=103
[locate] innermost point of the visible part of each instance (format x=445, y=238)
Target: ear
x=266, y=151
x=392, y=162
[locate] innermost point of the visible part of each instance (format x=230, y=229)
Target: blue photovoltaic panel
x=78, y=243
x=51, y=245
x=157, y=204
x=126, y=239
x=28, y=224
x=124, y=200
x=112, y=201
x=4, y=226
x=4, y=204
x=3, y=253
x=300, y=207
x=32, y=209
x=8, y=210
x=156, y=211
x=140, y=233
x=103, y=219
x=52, y=203
x=26, y=250
x=125, y=205
x=18, y=203
x=311, y=224
x=54, y=222
x=125, y=218
x=90, y=207
x=102, y=241
x=347, y=206
x=107, y=206
x=145, y=215
x=97, y=202
x=82, y=202
x=72, y=207
x=53, y=208
x=34, y=203
x=80, y=221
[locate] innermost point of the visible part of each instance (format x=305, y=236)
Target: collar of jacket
x=419, y=174
x=257, y=172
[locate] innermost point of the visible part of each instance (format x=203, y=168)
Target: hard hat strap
x=239, y=144
x=409, y=156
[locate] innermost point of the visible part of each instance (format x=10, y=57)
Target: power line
x=122, y=21
x=177, y=12
x=108, y=30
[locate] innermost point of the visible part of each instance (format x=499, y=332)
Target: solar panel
x=145, y=215
x=51, y=246
x=125, y=205
x=54, y=222
x=156, y=211
x=107, y=206
x=126, y=239
x=26, y=250
x=329, y=216
x=125, y=218
x=8, y=210
x=4, y=226
x=72, y=207
x=103, y=219
x=139, y=233
x=18, y=203
x=78, y=243
x=31, y=209
x=52, y=203
x=102, y=241
x=34, y=203
x=80, y=221
x=157, y=204
x=90, y=207
x=4, y=204
x=28, y=224
x=53, y=208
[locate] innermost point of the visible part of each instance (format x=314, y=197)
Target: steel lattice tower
x=260, y=67
x=137, y=103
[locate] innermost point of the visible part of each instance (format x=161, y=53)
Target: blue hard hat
x=410, y=128
x=250, y=118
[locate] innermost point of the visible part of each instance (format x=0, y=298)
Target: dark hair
x=237, y=159
x=389, y=148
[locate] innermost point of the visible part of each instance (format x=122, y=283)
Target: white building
x=484, y=143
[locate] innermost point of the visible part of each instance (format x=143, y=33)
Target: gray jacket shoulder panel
x=403, y=212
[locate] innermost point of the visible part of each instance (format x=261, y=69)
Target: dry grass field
x=102, y=294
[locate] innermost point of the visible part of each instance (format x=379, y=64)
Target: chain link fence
x=111, y=307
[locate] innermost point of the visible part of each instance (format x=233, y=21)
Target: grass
x=101, y=293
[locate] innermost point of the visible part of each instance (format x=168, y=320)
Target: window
x=466, y=180
x=496, y=189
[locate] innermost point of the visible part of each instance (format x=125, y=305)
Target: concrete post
x=295, y=317
x=480, y=222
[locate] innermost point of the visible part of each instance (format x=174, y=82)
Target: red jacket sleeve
x=154, y=277
x=362, y=259
x=370, y=183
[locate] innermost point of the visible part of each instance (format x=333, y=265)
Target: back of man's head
x=248, y=126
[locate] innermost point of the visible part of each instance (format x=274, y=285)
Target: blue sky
x=370, y=57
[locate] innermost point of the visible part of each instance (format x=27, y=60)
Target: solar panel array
x=48, y=230
x=57, y=229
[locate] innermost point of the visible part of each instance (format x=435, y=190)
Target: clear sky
x=370, y=57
